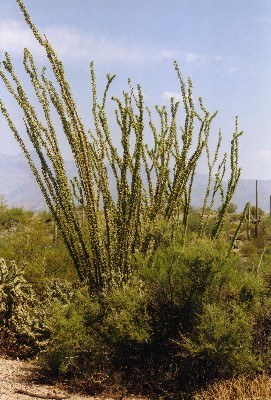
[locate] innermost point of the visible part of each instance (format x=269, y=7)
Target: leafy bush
x=74, y=343
x=204, y=307
x=193, y=315
x=31, y=245
x=232, y=208
x=126, y=320
x=93, y=336
x=11, y=218
x=222, y=342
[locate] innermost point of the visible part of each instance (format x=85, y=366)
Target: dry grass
x=242, y=388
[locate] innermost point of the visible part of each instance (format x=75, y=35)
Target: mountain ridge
x=19, y=188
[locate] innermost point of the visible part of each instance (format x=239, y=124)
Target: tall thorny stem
x=153, y=183
x=245, y=217
x=232, y=182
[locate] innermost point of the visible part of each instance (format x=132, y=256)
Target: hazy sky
x=223, y=45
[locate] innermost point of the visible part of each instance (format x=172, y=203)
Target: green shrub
x=203, y=307
x=193, y=314
x=74, y=344
x=222, y=343
x=31, y=244
x=11, y=218
x=94, y=336
x=126, y=321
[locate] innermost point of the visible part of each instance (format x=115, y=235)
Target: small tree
x=149, y=192
x=232, y=208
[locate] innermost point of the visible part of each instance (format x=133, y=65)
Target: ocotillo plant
x=154, y=182
x=232, y=182
x=245, y=217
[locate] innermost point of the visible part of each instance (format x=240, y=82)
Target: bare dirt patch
x=19, y=380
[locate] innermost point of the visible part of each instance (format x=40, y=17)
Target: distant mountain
x=18, y=185
x=19, y=188
x=246, y=191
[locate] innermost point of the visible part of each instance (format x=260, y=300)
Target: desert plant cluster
x=139, y=291
x=194, y=315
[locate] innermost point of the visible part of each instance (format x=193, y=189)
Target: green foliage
x=222, y=342
x=158, y=302
x=91, y=335
x=232, y=208
x=149, y=189
x=32, y=278
x=74, y=343
x=193, y=315
x=253, y=211
x=204, y=308
x=31, y=245
x=189, y=314
x=188, y=275
x=11, y=218
x=126, y=320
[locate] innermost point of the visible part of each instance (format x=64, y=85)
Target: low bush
x=204, y=307
x=193, y=315
x=74, y=341
x=11, y=218
x=94, y=338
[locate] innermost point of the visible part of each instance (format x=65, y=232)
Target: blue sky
x=223, y=45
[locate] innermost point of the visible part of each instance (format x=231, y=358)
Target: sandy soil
x=17, y=377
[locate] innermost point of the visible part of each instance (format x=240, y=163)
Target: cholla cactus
x=13, y=292
x=23, y=316
x=148, y=191
x=21, y=320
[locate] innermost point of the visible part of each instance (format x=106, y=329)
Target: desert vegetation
x=138, y=291
x=196, y=314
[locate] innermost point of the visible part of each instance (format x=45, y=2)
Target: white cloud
x=191, y=58
x=15, y=36
x=202, y=60
x=264, y=154
x=216, y=62
x=233, y=70
x=264, y=19
x=73, y=46
x=168, y=95
x=102, y=49
x=77, y=46
x=167, y=54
